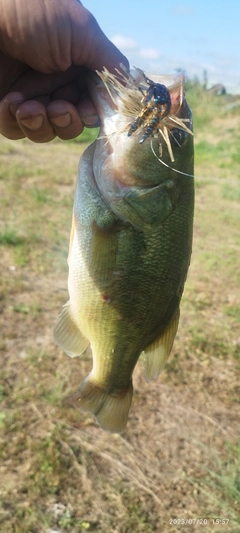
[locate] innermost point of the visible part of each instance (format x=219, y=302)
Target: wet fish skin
x=129, y=253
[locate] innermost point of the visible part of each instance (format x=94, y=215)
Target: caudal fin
x=110, y=409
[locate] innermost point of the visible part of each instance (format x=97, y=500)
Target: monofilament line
x=168, y=166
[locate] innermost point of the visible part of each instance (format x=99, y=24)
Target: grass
x=222, y=485
x=216, y=134
x=9, y=236
x=87, y=137
x=231, y=193
x=179, y=457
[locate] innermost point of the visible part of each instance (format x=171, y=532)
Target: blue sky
x=160, y=37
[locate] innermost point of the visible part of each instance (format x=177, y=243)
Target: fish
x=131, y=238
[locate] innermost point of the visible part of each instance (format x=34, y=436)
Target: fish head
x=140, y=145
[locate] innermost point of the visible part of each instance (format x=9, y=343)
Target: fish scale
x=129, y=253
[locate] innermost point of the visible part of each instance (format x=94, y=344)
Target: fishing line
x=165, y=164
x=222, y=180
x=202, y=178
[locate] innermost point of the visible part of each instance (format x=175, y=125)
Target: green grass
x=231, y=193
x=179, y=456
x=87, y=136
x=222, y=486
x=234, y=311
x=41, y=196
x=10, y=237
x=204, y=105
x=216, y=134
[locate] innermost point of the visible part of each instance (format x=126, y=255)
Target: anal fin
x=156, y=353
x=67, y=334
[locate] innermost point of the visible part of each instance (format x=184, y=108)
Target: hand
x=46, y=48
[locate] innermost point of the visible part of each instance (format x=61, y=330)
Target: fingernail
x=33, y=123
x=90, y=120
x=62, y=121
x=14, y=107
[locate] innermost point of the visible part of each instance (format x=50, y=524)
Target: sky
x=161, y=37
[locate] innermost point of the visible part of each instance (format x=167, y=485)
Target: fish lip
x=171, y=81
x=101, y=93
x=102, y=100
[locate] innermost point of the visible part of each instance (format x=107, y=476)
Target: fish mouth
x=122, y=100
x=122, y=82
x=130, y=102
x=100, y=96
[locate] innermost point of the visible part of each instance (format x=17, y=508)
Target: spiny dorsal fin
x=67, y=334
x=156, y=354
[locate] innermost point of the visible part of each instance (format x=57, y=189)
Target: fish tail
x=110, y=409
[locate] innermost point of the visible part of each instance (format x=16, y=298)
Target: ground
x=177, y=465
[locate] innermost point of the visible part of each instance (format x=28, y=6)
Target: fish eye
x=177, y=137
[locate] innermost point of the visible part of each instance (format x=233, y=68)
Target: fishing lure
x=156, y=105
x=152, y=106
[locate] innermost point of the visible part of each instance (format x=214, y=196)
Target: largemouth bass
x=131, y=239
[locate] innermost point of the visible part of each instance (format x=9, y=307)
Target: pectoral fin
x=147, y=208
x=156, y=354
x=67, y=334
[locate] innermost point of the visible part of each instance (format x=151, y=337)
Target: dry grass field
x=177, y=465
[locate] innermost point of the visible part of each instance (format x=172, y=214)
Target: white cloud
x=124, y=43
x=220, y=69
x=144, y=57
x=182, y=10
x=149, y=53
